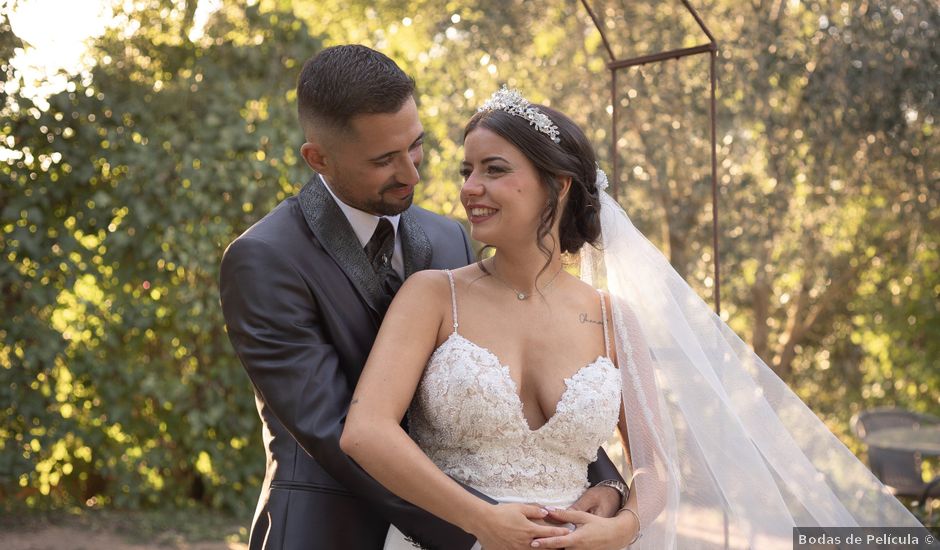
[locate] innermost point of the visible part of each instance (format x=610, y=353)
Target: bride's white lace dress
x=467, y=417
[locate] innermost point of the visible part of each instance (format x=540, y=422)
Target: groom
x=304, y=291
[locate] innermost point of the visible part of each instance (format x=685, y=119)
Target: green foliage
x=121, y=384
x=118, y=383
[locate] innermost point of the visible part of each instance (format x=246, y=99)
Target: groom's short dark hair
x=343, y=81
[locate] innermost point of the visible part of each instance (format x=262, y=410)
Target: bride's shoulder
x=427, y=279
x=427, y=284
x=583, y=292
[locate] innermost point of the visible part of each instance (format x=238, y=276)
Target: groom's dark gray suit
x=302, y=306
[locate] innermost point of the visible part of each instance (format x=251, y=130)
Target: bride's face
x=501, y=192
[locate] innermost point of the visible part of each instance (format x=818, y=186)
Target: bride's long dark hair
x=571, y=157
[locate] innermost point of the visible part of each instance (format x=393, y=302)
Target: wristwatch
x=618, y=486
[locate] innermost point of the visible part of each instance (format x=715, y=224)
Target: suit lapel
x=336, y=235
x=415, y=245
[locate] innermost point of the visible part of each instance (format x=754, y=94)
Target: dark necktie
x=379, y=250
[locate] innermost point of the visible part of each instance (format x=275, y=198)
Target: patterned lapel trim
x=415, y=245
x=337, y=237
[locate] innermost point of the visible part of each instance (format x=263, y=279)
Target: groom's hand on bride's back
x=598, y=500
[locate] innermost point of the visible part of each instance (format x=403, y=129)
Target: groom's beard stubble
x=394, y=198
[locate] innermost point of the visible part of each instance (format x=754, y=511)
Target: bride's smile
x=501, y=191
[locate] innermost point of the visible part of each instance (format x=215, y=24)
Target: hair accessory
x=513, y=103
x=601, y=181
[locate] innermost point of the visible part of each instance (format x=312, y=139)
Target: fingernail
x=552, y=508
x=535, y=544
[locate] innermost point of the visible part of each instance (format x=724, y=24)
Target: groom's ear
x=315, y=156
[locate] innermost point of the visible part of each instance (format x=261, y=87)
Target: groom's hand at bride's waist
x=599, y=500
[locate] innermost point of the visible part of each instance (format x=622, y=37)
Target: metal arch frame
x=711, y=48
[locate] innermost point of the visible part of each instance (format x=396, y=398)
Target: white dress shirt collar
x=364, y=224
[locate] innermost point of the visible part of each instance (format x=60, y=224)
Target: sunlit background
x=138, y=138
x=56, y=33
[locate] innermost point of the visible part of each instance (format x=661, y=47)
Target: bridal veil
x=724, y=454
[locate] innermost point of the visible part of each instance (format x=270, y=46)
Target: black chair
x=900, y=471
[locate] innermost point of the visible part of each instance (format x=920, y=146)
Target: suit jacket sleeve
x=275, y=327
x=602, y=469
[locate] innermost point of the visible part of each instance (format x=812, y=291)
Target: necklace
x=519, y=294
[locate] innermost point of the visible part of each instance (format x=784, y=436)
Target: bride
x=513, y=371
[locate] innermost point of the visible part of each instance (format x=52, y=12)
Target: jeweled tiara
x=513, y=103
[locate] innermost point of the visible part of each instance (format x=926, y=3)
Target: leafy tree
x=119, y=386
x=125, y=192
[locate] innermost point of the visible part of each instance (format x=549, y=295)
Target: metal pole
x=614, y=160
x=616, y=64
x=661, y=56
x=713, y=56
x=600, y=28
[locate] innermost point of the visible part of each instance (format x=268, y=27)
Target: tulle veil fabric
x=724, y=454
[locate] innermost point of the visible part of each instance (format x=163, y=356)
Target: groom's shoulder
x=284, y=221
x=435, y=222
x=279, y=229
x=447, y=238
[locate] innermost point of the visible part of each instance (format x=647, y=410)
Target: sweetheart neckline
x=514, y=388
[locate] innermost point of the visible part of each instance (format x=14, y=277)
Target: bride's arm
x=373, y=435
x=649, y=429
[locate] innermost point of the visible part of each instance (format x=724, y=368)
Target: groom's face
x=373, y=166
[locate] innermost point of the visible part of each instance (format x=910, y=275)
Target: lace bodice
x=467, y=416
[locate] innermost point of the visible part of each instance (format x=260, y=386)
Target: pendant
x=521, y=296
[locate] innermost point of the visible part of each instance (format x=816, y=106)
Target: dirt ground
x=120, y=531
x=78, y=538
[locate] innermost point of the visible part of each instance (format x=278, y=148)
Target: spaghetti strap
x=453, y=297
x=603, y=319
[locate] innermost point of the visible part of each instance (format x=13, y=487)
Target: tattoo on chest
x=584, y=319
